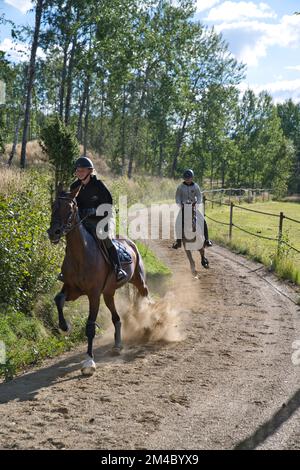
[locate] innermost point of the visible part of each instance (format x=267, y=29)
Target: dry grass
x=34, y=154
x=36, y=157
x=12, y=180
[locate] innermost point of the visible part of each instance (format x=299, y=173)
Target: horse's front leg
x=204, y=260
x=64, y=325
x=191, y=260
x=89, y=366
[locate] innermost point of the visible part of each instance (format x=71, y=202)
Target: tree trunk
x=223, y=174
x=123, y=131
x=15, y=142
x=161, y=156
x=81, y=110
x=31, y=72
x=86, y=119
x=211, y=171
x=101, y=132
x=70, y=80
x=179, y=141
x=63, y=81
x=137, y=123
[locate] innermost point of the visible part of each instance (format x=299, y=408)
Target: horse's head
x=63, y=216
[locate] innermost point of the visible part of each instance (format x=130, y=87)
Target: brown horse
x=86, y=271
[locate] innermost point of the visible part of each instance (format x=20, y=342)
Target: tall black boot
x=114, y=259
x=207, y=242
x=177, y=244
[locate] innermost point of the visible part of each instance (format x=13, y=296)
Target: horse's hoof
x=116, y=350
x=205, y=263
x=88, y=367
x=68, y=331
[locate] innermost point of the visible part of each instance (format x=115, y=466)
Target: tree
x=60, y=144
x=30, y=78
x=289, y=114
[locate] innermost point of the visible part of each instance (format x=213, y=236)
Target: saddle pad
x=124, y=256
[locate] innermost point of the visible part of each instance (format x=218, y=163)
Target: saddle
x=124, y=256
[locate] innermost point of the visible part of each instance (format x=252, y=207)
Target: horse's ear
x=59, y=189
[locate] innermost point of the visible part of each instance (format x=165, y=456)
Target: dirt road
x=229, y=382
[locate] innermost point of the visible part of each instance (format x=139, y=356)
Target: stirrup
x=208, y=243
x=60, y=277
x=120, y=274
x=204, y=262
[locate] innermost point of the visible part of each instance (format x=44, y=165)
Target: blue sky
x=265, y=35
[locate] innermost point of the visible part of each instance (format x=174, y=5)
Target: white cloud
x=21, y=5
x=233, y=11
x=293, y=67
x=281, y=90
x=17, y=52
x=205, y=4
x=256, y=37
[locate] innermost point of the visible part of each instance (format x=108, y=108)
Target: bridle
x=69, y=225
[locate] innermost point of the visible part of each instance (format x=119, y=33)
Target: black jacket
x=91, y=196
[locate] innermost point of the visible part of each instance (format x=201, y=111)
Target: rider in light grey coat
x=188, y=192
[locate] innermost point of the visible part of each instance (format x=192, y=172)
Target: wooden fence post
x=231, y=219
x=281, y=217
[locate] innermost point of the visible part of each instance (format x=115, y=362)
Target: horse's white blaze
x=88, y=366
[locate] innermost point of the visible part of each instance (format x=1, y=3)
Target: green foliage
x=154, y=267
x=28, y=342
x=60, y=143
x=28, y=263
x=289, y=114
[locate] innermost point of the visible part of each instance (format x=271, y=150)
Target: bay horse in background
x=86, y=271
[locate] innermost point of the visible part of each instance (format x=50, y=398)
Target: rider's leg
x=114, y=259
x=178, y=230
x=207, y=240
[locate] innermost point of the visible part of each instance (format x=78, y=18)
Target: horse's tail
x=139, y=276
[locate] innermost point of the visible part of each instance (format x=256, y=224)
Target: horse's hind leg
x=110, y=303
x=191, y=260
x=139, y=279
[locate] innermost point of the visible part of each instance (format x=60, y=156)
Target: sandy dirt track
x=230, y=382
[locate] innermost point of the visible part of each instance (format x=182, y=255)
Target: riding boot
x=177, y=244
x=114, y=259
x=207, y=241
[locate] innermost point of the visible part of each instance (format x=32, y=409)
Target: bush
x=28, y=262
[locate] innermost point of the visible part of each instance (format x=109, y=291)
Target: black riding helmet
x=84, y=162
x=188, y=174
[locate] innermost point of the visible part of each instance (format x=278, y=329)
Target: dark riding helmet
x=188, y=174
x=84, y=162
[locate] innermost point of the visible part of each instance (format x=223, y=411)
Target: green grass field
x=287, y=263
